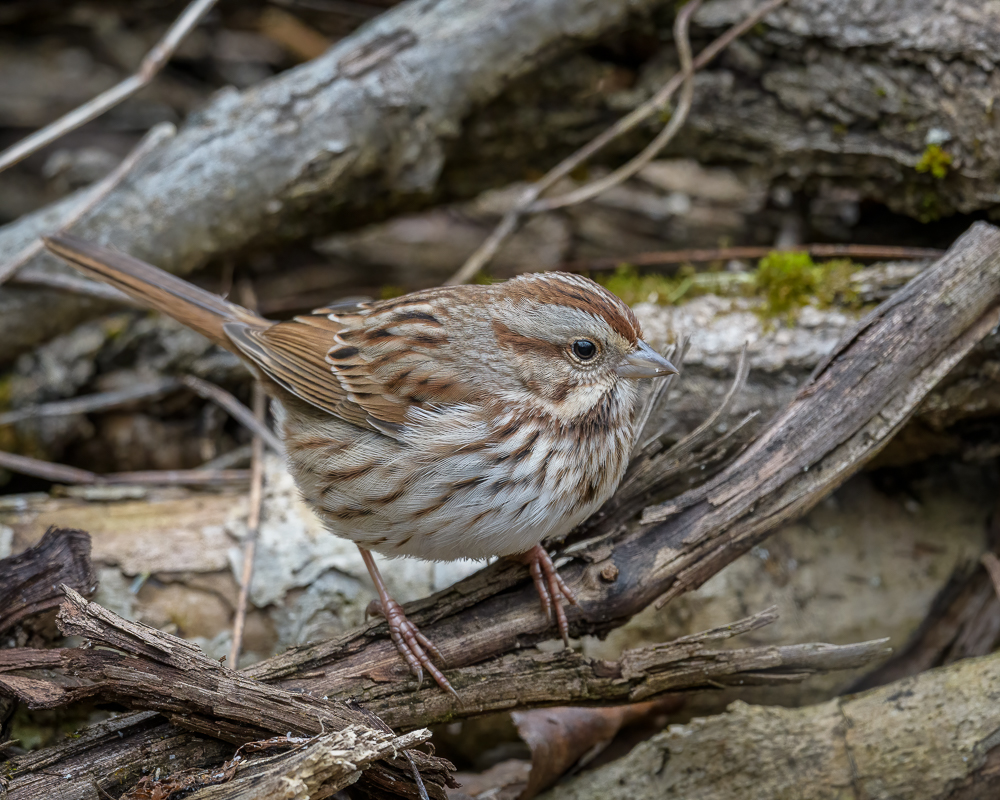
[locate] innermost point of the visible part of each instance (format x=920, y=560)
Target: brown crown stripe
x=563, y=289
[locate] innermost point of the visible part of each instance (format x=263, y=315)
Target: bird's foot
x=415, y=648
x=552, y=590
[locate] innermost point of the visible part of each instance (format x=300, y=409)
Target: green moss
x=784, y=280
x=935, y=161
x=789, y=279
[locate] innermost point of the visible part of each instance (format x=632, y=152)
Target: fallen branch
x=61, y=473
x=86, y=404
x=315, y=767
x=530, y=201
x=154, y=61
x=139, y=680
x=145, y=668
x=29, y=581
x=94, y=195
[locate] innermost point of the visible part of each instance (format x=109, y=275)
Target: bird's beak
x=645, y=362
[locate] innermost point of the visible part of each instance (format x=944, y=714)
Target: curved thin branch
x=154, y=61
x=512, y=219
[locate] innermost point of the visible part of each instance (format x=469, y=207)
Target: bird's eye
x=584, y=349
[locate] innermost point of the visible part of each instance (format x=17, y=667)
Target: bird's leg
x=552, y=590
x=412, y=645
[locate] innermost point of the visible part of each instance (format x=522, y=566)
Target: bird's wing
x=369, y=364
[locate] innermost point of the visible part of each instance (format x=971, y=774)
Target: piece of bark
x=315, y=769
x=29, y=581
x=201, y=695
x=109, y=756
x=366, y=124
x=930, y=737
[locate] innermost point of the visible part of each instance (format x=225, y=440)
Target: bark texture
x=930, y=737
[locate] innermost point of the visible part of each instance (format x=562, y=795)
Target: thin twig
x=665, y=257
x=102, y=401
x=698, y=436
x=253, y=525
x=100, y=190
x=235, y=457
x=633, y=119
x=61, y=473
x=235, y=408
x=675, y=355
x=154, y=61
x=663, y=138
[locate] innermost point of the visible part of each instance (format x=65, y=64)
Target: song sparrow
x=459, y=422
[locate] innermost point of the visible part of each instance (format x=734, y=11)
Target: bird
x=468, y=421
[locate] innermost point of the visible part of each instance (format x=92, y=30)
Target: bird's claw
x=415, y=648
x=552, y=590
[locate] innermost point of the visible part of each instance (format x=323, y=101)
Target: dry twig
x=86, y=404
x=61, y=473
x=529, y=201
x=253, y=422
x=154, y=61
x=253, y=524
x=147, y=144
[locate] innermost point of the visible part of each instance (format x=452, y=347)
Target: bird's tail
x=200, y=310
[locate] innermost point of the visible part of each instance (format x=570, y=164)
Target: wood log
x=29, y=581
x=148, y=663
x=929, y=737
x=168, y=674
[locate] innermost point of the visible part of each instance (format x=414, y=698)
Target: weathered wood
x=795, y=104
x=107, y=757
x=315, y=769
x=140, y=678
x=29, y=581
x=930, y=737
x=168, y=674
